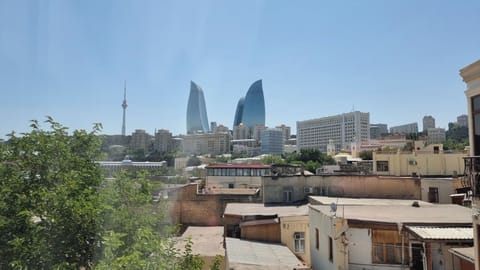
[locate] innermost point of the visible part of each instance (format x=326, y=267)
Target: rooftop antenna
x=124, y=106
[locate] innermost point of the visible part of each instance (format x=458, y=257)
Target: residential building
x=428, y=122
x=405, y=129
x=294, y=189
x=206, y=143
x=241, y=132
x=286, y=131
x=342, y=129
x=235, y=175
x=462, y=120
x=272, y=141
x=360, y=237
x=436, y=135
x=140, y=139
x=257, y=131
x=471, y=76
x=378, y=130
x=246, y=146
x=422, y=161
x=197, y=119
x=273, y=224
x=220, y=129
x=163, y=141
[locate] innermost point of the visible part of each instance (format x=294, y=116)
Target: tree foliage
x=58, y=212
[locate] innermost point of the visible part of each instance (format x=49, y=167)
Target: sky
x=399, y=60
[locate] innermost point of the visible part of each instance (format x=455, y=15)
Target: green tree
x=194, y=161
x=272, y=159
x=366, y=155
x=48, y=198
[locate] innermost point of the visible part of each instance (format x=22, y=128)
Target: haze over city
x=398, y=60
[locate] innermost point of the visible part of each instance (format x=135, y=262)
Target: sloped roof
x=245, y=254
x=442, y=233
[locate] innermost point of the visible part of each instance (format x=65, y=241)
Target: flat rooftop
x=233, y=191
x=397, y=214
x=319, y=200
x=207, y=241
x=251, y=209
x=245, y=254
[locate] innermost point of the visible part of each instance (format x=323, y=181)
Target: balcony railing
x=472, y=174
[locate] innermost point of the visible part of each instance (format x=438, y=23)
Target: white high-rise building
x=342, y=129
x=462, y=120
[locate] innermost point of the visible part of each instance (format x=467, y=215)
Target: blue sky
x=398, y=60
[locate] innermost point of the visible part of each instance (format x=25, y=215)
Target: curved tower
x=197, y=120
x=254, y=106
x=239, y=112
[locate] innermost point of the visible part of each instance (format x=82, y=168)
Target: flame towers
x=251, y=109
x=197, y=120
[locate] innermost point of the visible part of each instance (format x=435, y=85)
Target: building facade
x=471, y=76
x=428, y=122
x=286, y=130
x=140, y=139
x=462, y=120
x=272, y=141
x=208, y=143
x=343, y=129
x=436, y=135
x=163, y=141
x=197, y=120
x=405, y=129
x=378, y=130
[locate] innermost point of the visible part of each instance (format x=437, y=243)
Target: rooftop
x=244, y=254
x=319, y=200
x=467, y=253
x=233, y=191
x=251, y=209
x=238, y=166
x=442, y=233
x=403, y=214
x=207, y=241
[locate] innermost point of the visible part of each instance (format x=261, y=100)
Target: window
x=330, y=249
x=382, y=166
x=299, y=242
x=287, y=195
x=317, y=244
x=433, y=195
x=230, y=185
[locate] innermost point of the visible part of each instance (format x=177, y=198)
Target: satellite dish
x=333, y=207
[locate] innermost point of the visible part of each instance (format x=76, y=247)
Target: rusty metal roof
x=442, y=233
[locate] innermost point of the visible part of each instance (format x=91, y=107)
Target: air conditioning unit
x=308, y=189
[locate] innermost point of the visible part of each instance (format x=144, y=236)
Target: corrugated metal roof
x=442, y=233
x=467, y=253
x=245, y=254
x=238, y=166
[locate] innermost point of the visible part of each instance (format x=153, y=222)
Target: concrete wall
x=360, y=186
x=327, y=227
x=405, y=164
x=290, y=225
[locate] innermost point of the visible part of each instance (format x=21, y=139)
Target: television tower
x=124, y=106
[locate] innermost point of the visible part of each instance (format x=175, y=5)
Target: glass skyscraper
x=197, y=120
x=251, y=109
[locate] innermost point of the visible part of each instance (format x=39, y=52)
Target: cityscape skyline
x=398, y=61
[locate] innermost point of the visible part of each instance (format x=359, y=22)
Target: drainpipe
x=403, y=251
x=424, y=257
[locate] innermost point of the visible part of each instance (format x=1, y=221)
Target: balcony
x=472, y=175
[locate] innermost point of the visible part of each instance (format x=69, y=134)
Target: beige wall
x=446, y=187
x=359, y=186
x=403, y=163
x=290, y=225
x=264, y=232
